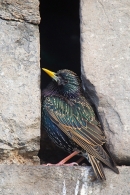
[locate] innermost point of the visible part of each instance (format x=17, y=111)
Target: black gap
x=59, y=36
x=60, y=49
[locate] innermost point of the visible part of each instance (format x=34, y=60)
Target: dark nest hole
x=60, y=49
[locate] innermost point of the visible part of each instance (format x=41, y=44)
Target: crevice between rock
x=19, y=20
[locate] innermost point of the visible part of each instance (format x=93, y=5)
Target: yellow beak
x=51, y=74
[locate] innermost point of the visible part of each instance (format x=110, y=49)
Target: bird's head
x=67, y=81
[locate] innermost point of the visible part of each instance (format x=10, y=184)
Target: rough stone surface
x=105, y=53
x=25, y=10
x=19, y=92
x=39, y=180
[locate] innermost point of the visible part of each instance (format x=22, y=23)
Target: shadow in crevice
x=59, y=49
x=59, y=36
x=91, y=96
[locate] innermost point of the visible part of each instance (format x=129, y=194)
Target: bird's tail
x=97, y=167
x=111, y=160
x=105, y=157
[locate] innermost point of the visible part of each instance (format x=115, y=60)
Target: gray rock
x=39, y=180
x=19, y=92
x=105, y=53
x=25, y=10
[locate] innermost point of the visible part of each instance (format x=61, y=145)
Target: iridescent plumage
x=71, y=123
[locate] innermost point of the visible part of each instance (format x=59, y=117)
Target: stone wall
x=19, y=78
x=36, y=180
x=105, y=51
x=105, y=59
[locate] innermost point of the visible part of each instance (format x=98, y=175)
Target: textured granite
x=39, y=180
x=19, y=91
x=25, y=10
x=105, y=55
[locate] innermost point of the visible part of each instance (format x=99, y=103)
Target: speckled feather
x=70, y=121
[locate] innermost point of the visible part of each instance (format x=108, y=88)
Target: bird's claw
x=69, y=164
x=60, y=164
x=48, y=164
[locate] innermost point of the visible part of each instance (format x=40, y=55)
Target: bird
x=71, y=122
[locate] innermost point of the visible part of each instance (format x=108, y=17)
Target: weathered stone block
x=105, y=53
x=19, y=91
x=25, y=10
x=39, y=180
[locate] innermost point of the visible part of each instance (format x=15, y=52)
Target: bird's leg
x=80, y=160
x=68, y=158
x=62, y=162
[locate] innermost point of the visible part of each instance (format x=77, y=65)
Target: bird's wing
x=77, y=121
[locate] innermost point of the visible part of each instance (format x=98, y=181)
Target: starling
x=71, y=122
